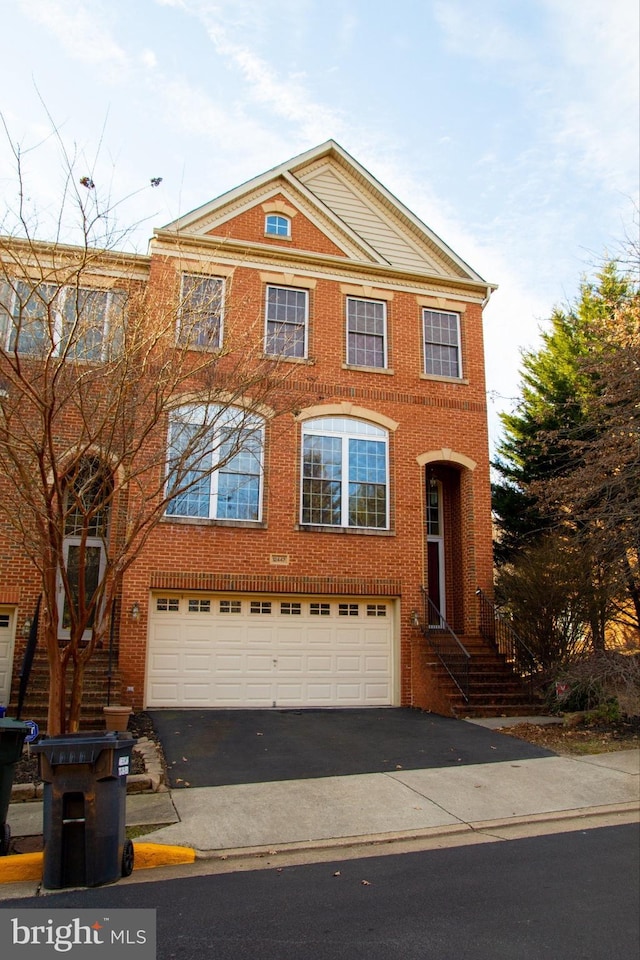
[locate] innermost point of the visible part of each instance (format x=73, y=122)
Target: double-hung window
x=344, y=473
x=44, y=319
x=366, y=332
x=286, y=322
x=201, y=302
x=214, y=465
x=441, y=343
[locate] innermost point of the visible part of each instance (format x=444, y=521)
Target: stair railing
x=498, y=631
x=451, y=653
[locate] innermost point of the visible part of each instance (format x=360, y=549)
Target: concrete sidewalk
x=364, y=805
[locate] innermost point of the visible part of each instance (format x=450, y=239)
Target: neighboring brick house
x=303, y=587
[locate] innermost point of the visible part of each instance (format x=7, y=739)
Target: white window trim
x=214, y=475
x=308, y=430
x=451, y=313
x=385, y=336
x=202, y=276
x=64, y=633
x=275, y=233
x=284, y=286
x=64, y=292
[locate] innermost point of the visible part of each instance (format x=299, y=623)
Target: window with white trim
x=214, y=465
x=286, y=321
x=200, y=319
x=344, y=473
x=89, y=488
x=366, y=332
x=44, y=319
x=275, y=225
x=441, y=331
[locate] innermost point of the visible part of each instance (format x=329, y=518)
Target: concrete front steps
x=495, y=690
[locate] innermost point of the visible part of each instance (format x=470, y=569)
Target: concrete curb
x=25, y=867
x=627, y=812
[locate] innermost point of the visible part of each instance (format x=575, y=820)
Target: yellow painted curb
x=161, y=855
x=20, y=866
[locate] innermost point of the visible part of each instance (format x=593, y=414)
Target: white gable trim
x=289, y=170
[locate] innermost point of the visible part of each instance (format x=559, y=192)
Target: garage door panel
x=319, y=637
x=197, y=664
x=376, y=665
x=257, y=663
x=259, y=635
x=316, y=664
x=260, y=653
x=196, y=692
x=165, y=661
x=229, y=634
x=227, y=663
x=166, y=693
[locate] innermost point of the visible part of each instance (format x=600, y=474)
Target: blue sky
x=510, y=127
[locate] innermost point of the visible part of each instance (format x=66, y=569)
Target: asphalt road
x=572, y=896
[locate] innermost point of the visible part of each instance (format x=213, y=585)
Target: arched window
x=277, y=226
x=344, y=473
x=214, y=467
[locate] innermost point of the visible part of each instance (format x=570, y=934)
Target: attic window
x=277, y=226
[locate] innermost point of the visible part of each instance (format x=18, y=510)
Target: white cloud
x=82, y=29
x=470, y=30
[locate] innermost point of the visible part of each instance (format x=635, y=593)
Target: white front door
x=7, y=640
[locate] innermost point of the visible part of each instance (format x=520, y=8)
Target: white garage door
x=7, y=633
x=262, y=652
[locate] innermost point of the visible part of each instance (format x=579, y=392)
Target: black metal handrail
x=452, y=654
x=498, y=631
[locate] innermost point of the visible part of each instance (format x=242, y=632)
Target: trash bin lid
x=13, y=727
x=81, y=747
x=12, y=734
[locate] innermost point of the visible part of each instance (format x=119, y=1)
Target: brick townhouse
x=363, y=519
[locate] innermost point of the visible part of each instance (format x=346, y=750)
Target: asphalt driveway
x=210, y=748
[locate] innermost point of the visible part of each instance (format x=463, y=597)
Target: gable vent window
x=277, y=226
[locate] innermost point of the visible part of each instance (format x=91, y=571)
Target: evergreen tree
x=558, y=382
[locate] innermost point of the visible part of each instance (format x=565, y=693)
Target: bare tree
x=118, y=400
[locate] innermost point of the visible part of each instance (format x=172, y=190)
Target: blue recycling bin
x=84, y=810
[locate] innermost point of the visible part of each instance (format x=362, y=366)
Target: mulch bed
x=583, y=738
x=26, y=769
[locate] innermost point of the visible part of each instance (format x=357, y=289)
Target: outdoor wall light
x=26, y=627
x=135, y=611
x=415, y=619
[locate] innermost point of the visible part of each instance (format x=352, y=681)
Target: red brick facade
x=437, y=428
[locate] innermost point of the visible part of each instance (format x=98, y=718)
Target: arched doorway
x=444, y=537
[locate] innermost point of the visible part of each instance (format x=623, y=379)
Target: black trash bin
x=85, y=792
x=12, y=734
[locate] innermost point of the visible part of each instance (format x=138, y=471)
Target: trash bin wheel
x=127, y=859
x=5, y=839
